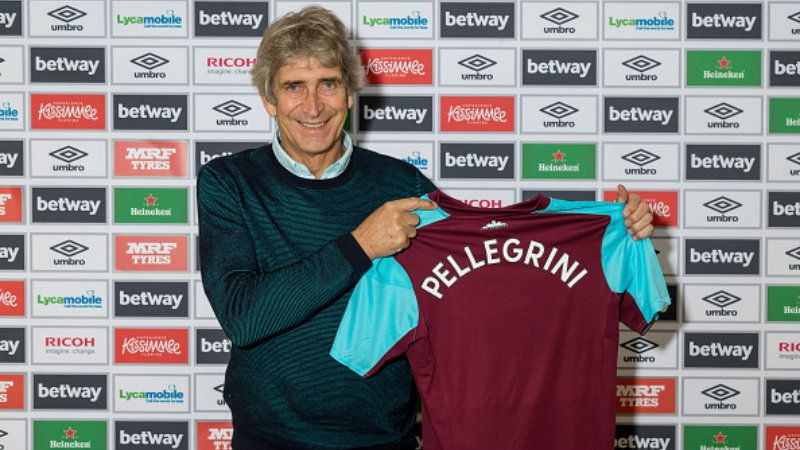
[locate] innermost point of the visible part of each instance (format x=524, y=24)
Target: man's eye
x=330, y=85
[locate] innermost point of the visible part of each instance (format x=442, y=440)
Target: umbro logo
x=493, y=225
x=720, y=392
x=641, y=63
x=559, y=110
x=68, y=154
x=69, y=248
x=149, y=61
x=641, y=157
x=66, y=14
x=722, y=204
x=639, y=345
x=794, y=158
x=559, y=16
x=721, y=299
x=723, y=111
x=794, y=253
x=220, y=388
x=795, y=17
x=231, y=108
x=477, y=62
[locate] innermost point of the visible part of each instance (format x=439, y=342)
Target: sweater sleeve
x=251, y=304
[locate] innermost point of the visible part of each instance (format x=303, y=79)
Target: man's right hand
x=390, y=228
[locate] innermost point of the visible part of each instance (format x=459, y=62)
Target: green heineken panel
x=720, y=437
x=783, y=303
x=151, y=205
x=784, y=115
x=723, y=68
x=568, y=161
x=69, y=434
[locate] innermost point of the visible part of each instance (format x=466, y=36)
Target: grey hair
x=311, y=32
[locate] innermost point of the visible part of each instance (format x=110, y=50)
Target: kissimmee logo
x=720, y=437
x=151, y=346
x=722, y=256
x=398, y=66
x=212, y=346
x=783, y=303
x=782, y=438
x=150, y=112
x=720, y=350
x=12, y=252
x=12, y=391
x=476, y=114
x=151, y=253
x=151, y=205
x=12, y=158
x=205, y=151
x=723, y=21
x=12, y=345
x=663, y=205
x=784, y=209
x=151, y=299
x=723, y=68
x=151, y=435
x=68, y=65
x=68, y=205
x=723, y=162
x=784, y=115
x=11, y=18
x=230, y=19
x=78, y=434
x=214, y=435
x=151, y=159
x=646, y=395
x=70, y=391
x=10, y=204
x=554, y=160
x=12, y=298
x=640, y=437
x=641, y=114
x=68, y=111
x=477, y=20
x=468, y=160
x=395, y=113
x=559, y=67
x=784, y=67
x=783, y=397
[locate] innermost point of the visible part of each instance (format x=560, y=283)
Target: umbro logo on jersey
x=493, y=225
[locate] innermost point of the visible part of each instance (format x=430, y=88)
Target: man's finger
x=641, y=211
x=644, y=233
x=622, y=194
x=412, y=203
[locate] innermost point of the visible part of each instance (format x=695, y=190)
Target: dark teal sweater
x=278, y=266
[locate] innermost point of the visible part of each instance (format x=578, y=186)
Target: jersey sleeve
x=380, y=320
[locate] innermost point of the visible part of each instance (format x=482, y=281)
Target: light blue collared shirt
x=301, y=170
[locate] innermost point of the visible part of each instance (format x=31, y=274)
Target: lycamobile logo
x=89, y=300
x=660, y=22
x=558, y=161
x=414, y=21
x=723, y=68
x=166, y=20
x=170, y=394
x=784, y=115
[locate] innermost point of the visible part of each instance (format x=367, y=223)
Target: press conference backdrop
x=109, y=109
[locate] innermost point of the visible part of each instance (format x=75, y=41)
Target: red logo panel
x=150, y=159
x=481, y=114
x=663, y=205
x=398, y=66
x=214, y=435
x=12, y=391
x=646, y=395
x=783, y=438
x=10, y=205
x=68, y=111
x=151, y=346
x=12, y=298
x=151, y=253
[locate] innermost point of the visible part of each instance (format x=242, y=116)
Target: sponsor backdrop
x=109, y=108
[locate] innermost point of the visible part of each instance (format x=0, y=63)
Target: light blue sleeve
x=381, y=311
x=629, y=266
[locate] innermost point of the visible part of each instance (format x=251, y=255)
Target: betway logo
x=722, y=162
x=791, y=397
x=229, y=18
x=64, y=64
x=720, y=20
x=394, y=113
x=639, y=114
x=223, y=346
x=474, y=160
x=149, y=112
x=789, y=209
x=7, y=19
x=64, y=204
x=68, y=391
x=9, y=346
x=635, y=442
x=476, y=20
x=145, y=298
x=146, y=438
x=555, y=66
x=779, y=68
x=8, y=160
x=720, y=256
x=717, y=349
x=9, y=253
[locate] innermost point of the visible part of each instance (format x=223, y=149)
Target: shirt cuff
x=354, y=253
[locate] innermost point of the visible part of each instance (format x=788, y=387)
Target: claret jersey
x=509, y=319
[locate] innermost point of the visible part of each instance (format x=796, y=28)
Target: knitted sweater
x=278, y=266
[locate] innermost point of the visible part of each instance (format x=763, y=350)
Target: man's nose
x=311, y=103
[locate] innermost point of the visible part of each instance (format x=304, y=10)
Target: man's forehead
x=307, y=68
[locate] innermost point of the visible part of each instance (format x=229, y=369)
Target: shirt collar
x=301, y=170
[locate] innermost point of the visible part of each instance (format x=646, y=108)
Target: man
x=287, y=229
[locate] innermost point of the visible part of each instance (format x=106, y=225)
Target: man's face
x=310, y=107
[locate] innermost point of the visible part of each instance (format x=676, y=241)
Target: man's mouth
x=314, y=125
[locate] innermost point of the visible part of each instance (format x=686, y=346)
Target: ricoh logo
x=641, y=64
x=477, y=63
x=149, y=61
x=720, y=393
x=151, y=435
x=485, y=20
x=640, y=158
x=226, y=63
x=559, y=110
x=66, y=14
x=729, y=21
x=721, y=350
x=721, y=299
x=559, y=17
x=68, y=155
x=559, y=67
x=645, y=114
x=784, y=209
x=232, y=109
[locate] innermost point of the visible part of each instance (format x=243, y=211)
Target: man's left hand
x=637, y=214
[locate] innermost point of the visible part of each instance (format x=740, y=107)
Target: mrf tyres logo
x=230, y=19
x=68, y=205
x=147, y=299
x=723, y=21
x=395, y=113
x=784, y=209
x=641, y=114
x=68, y=65
x=783, y=397
x=11, y=18
x=722, y=256
x=652, y=437
x=477, y=20
x=150, y=112
x=212, y=346
x=723, y=162
x=464, y=160
x=559, y=67
x=721, y=350
x=151, y=435
x=70, y=391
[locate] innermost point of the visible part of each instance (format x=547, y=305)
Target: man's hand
x=637, y=215
x=390, y=228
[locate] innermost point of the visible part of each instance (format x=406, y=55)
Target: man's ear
x=272, y=110
x=349, y=100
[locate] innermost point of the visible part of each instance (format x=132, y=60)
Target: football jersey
x=509, y=319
